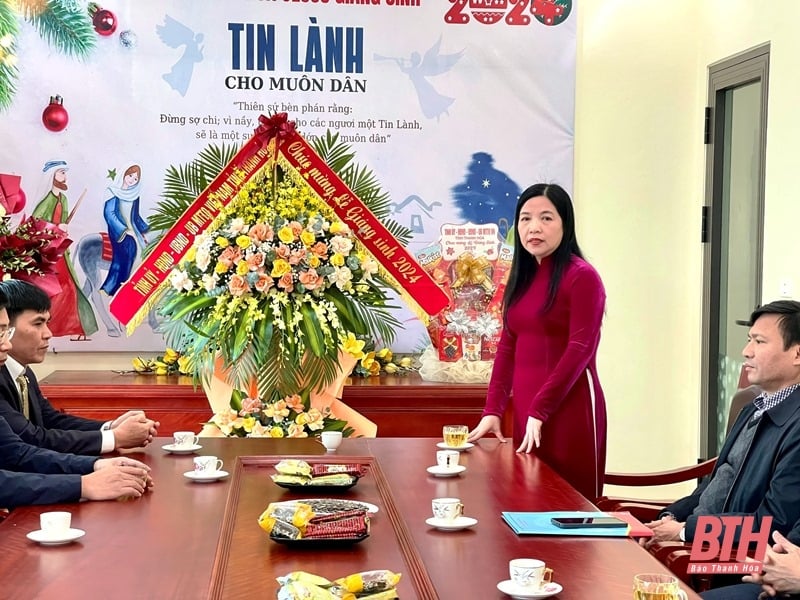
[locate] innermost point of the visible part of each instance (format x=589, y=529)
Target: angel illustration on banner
x=175, y=34
x=418, y=69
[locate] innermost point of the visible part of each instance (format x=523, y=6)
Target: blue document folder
x=538, y=523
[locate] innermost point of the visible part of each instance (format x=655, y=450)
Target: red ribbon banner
x=354, y=213
x=154, y=270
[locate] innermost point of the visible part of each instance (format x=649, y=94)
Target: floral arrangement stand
x=270, y=278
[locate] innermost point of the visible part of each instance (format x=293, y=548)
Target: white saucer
x=205, y=477
x=438, y=471
x=461, y=522
x=466, y=446
x=521, y=593
x=173, y=449
x=40, y=537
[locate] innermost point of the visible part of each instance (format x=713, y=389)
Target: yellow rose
x=336, y=227
x=170, y=356
x=384, y=354
x=337, y=260
x=140, y=365
x=406, y=362
x=276, y=432
x=390, y=368
x=243, y=241
x=161, y=368
x=242, y=268
x=220, y=268
x=222, y=242
x=191, y=254
x=248, y=423
x=375, y=368
x=313, y=261
x=280, y=267
x=285, y=235
x=307, y=237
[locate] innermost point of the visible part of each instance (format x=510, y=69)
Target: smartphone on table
x=582, y=522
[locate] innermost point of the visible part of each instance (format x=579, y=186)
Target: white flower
x=237, y=226
x=369, y=267
x=210, y=281
x=341, y=245
x=342, y=277
x=180, y=280
x=202, y=258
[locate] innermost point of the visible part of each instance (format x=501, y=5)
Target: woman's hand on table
x=533, y=435
x=488, y=424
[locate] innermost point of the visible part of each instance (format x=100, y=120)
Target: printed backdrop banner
x=455, y=105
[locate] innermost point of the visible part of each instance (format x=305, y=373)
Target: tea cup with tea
x=657, y=586
x=455, y=436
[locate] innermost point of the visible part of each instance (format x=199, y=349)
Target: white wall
x=641, y=90
x=640, y=162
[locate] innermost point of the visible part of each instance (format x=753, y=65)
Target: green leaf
x=312, y=329
x=183, y=305
x=69, y=30
x=236, y=400
x=9, y=29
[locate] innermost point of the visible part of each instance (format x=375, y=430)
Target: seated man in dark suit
x=31, y=475
x=758, y=469
x=28, y=412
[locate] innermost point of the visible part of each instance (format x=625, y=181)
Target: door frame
x=729, y=73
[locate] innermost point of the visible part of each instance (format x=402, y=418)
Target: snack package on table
x=368, y=585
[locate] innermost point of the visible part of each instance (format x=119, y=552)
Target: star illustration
x=112, y=174
x=486, y=183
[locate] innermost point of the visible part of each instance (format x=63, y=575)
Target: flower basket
x=32, y=250
x=270, y=275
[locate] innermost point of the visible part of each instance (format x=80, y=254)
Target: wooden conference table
x=189, y=540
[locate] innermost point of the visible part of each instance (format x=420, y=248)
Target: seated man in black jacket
x=758, y=470
x=31, y=475
x=28, y=412
x=779, y=576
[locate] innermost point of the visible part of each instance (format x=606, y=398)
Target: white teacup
x=447, y=459
x=447, y=509
x=55, y=523
x=185, y=439
x=530, y=573
x=206, y=465
x=331, y=439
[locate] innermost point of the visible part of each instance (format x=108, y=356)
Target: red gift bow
x=277, y=126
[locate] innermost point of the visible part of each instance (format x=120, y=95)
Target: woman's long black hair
x=524, y=265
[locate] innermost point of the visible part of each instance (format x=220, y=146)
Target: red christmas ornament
x=55, y=116
x=104, y=21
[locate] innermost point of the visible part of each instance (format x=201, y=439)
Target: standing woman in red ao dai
x=546, y=358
